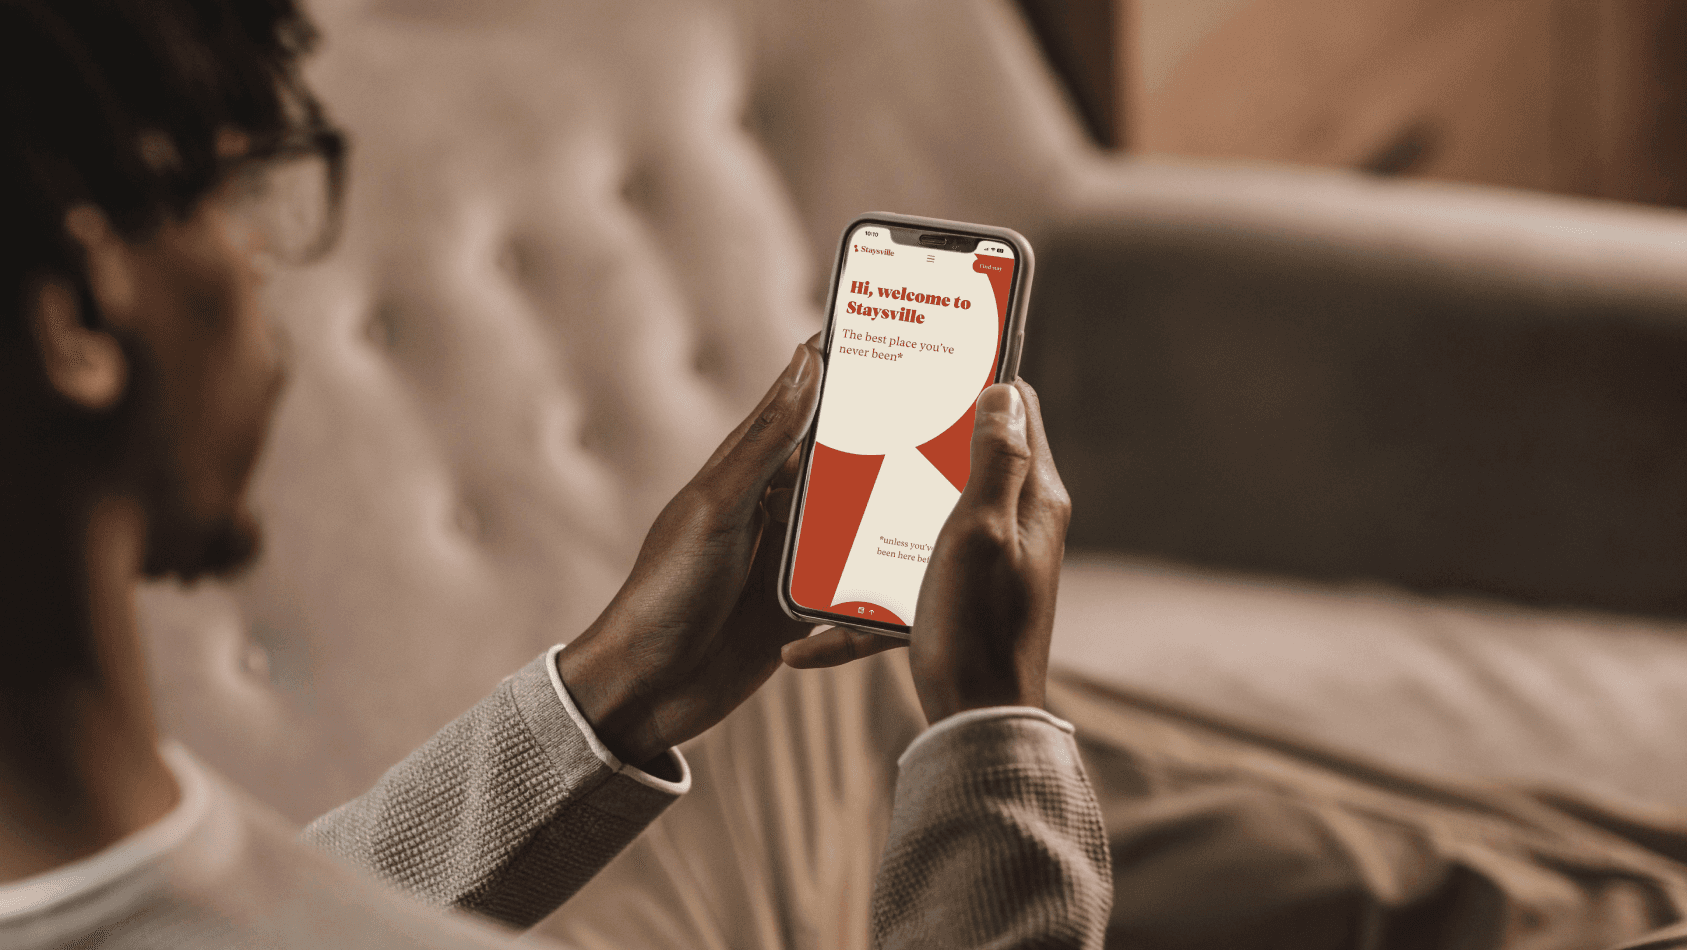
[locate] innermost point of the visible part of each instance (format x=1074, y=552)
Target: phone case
x=1013, y=339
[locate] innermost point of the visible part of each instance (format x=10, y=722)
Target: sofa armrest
x=1337, y=376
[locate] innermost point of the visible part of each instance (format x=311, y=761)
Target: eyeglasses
x=283, y=198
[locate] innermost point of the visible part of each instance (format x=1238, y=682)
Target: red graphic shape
x=839, y=484
x=951, y=452
x=1000, y=272
x=867, y=610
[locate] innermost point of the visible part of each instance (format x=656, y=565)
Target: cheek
x=246, y=376
x=197, y=311
x=227, y=394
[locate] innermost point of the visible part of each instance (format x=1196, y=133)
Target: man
x=157, y=156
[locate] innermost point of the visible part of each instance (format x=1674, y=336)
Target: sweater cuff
x=605, y=783
x=675, y=762
x=980, y=739
x=969, y=721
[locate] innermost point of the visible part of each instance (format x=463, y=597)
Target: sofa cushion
x=1460, y=688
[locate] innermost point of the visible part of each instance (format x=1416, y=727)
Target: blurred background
x=1341, y=411
x=1576, y=97
x=1361, y=333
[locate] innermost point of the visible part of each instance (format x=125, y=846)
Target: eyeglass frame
x=318, y=138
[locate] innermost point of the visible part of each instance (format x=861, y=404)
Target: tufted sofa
x=582, y=238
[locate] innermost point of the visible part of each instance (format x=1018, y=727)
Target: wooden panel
x=1559, y=95
x=1643, y=72
x=1428, y=86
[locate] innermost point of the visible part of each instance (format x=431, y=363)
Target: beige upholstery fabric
x=582, y=238
x=1451, y=687
x=571, y=262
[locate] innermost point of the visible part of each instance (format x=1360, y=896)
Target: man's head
x=141, y=143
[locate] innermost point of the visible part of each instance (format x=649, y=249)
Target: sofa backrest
x=1335, y=376
x=582, y=238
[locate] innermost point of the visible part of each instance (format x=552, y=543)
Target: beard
x=192, y=550
x=182, y=540
x=56, y=460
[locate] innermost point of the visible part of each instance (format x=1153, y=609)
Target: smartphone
x=922, y=316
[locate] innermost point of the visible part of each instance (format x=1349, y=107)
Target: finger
x=758, y=607
x=1000, y=454
x=836, y=646
x=786, y=477
x=1045, y=480
x=778, y=504
x=737, y=434
x=774, y=432
x=738, y=431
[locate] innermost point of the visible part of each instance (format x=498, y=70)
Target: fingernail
x=1002, y=398
x=802, y=362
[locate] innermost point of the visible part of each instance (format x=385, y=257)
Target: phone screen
x=917, y=333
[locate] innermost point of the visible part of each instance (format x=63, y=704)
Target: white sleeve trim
x=602, y=751
x=963, y=719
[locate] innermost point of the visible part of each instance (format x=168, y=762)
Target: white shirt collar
x=32, y=895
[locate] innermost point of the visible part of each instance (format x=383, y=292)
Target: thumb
x=1001, y=453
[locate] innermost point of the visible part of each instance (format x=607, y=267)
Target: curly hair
x=119, y=103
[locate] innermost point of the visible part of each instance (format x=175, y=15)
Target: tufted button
x=516, y=259
x=378, y=329
x=468, y=520
x=590, y=438
x=640, y=187
x=709, y=359
x=758, y=113
x=752, y=119
x=254, y=661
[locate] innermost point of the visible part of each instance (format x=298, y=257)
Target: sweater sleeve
x=996, y=840
x=505, y=812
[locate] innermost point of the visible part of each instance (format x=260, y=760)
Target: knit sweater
x=996, y=840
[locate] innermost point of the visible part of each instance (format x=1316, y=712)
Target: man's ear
x=84, y=365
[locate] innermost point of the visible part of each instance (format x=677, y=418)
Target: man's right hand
x=986, y=607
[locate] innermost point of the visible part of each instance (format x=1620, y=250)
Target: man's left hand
x=697, y=627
